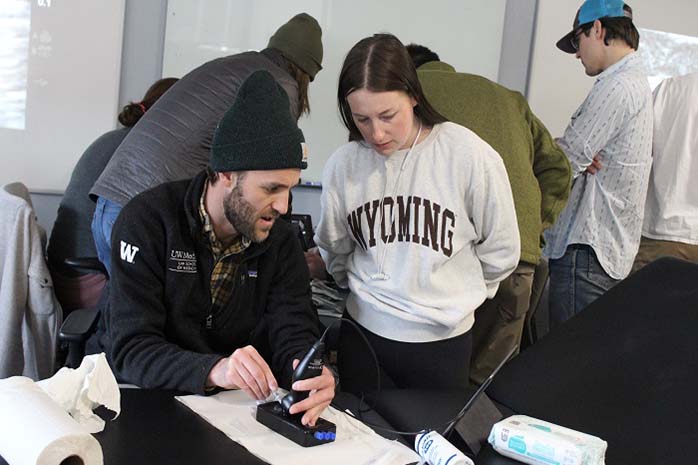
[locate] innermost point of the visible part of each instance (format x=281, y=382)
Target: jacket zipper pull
x=209, y=321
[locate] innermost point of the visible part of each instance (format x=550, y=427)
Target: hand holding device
x=276, y=415
x=309, y=367
x=322, y=391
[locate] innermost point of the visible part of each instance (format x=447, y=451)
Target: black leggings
x=430, y=365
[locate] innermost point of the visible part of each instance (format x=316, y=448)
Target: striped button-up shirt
x=605, y=209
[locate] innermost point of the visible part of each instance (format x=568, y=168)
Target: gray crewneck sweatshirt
x=453, y=237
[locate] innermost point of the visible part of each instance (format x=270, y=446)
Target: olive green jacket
x=538, y=169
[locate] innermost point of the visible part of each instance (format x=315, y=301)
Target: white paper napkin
x=233, y=412
x=78, y=391
x=46, y=422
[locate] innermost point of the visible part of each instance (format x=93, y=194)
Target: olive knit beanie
x=258, y=131
x=300, y=41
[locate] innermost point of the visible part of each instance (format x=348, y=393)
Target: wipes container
x=539, y=442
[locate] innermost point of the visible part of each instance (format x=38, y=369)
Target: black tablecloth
x=625, y=369
x=154, y=428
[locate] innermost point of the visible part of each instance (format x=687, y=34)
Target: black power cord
x=448, y=425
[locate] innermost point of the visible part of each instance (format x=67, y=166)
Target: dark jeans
x=430, y=365
x=576, y=280
x=103, y=221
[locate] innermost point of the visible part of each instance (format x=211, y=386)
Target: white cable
x=380, y=275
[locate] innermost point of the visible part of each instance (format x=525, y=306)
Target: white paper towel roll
x=34, y=430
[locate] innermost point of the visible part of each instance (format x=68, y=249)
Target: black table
x=154, y=428
x=625, y=369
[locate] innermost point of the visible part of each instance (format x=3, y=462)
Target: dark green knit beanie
x=258, y=131
x=300, y=41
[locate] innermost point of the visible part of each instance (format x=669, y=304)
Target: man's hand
x=321, y=394
x=595, y=166
x=316, y=265
x=245, y=369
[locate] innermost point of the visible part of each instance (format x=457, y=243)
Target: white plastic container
x=436, y=450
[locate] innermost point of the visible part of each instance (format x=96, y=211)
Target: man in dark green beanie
x=208, y=291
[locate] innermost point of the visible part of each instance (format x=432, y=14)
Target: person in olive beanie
x=208, y=291
x=299, y=41
x=173, y=140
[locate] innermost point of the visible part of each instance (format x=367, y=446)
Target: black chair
x=304, y=229
x=79, y=324
x=625, y=369
x=416, y=409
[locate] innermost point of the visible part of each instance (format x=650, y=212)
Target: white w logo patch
x=128, y=251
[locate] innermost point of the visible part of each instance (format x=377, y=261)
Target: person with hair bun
x=417, y=221
x=71, y=235
x=133, y=112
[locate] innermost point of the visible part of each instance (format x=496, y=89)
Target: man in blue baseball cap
x=593, y=10
x=608, y=142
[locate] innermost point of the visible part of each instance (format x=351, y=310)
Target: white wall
x=142, y=51
x=517, y=41
x=467, y=34
x=142, y=58
x=64, y=58
x=141, y=65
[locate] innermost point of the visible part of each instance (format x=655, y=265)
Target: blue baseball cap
x=590, y=11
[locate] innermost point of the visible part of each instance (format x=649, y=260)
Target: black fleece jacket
x=160, y=329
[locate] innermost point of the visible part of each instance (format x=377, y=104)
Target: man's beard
x=243, y=216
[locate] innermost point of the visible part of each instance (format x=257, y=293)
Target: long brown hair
x=381, y=63
x=133, y=112
x=303, y=80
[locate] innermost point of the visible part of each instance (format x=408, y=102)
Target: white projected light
x=15, y=23
x=60, y=67
x=668, y=54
